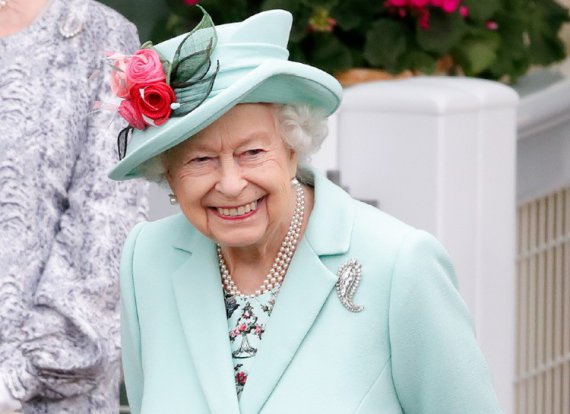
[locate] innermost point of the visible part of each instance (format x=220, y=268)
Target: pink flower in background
x=131, y=114
x=191, y=2
x=491, y=25
x=449, y=6
x=145, y=67
x=420, y=9
x=419, y=3
x=397, y=3
x=423, y=19
x=321, y=21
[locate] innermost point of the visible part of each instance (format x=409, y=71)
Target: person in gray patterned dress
x=62, y=221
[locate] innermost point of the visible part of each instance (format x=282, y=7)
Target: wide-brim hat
x=251, y=59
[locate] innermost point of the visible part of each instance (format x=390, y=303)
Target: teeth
x=238, y=211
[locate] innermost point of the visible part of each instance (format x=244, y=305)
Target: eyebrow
x=206, y=146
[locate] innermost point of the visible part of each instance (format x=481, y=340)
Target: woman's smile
x=237, y=212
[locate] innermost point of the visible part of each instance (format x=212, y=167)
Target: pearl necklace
x=281, y=263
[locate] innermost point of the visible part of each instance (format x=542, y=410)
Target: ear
x=292, y=162
x=170, y=179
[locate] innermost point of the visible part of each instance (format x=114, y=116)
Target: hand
x=8, y=404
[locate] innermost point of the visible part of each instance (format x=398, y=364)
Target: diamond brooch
x=348, y=280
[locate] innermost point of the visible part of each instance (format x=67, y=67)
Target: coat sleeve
x=438, y=367
x=130, y=330
x=71, y=331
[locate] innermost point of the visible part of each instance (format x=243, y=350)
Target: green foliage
x=386, y=42
x=496, y=39
x=445, y=31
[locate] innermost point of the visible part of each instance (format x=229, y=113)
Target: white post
x=439, y=153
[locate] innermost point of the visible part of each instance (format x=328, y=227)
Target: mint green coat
x=411, y=350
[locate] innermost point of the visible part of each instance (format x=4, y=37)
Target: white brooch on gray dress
x=348, y=280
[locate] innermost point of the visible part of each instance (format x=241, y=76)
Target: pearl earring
x=173, y=199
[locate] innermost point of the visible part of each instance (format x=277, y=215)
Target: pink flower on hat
x=141, y=82
x=145, y=67
x=131, y=114
x=119, y=84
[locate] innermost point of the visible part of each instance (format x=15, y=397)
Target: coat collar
x=200, y=303
x=306, y=287
x=331, y=221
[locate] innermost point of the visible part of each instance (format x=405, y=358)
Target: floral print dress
x=247, y=320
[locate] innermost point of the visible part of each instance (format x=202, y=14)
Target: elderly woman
x=274, y=291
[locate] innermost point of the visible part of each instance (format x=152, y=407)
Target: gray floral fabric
x=62, y=221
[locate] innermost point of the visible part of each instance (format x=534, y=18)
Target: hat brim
x=274, y=81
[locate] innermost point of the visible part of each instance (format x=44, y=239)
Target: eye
x=200, y=160
x=252, y=152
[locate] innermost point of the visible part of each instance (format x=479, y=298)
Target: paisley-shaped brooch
x=348, y=280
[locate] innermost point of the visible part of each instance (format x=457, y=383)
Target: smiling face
x=233, y=179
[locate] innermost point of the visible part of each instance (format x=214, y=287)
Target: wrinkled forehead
x=242, y=125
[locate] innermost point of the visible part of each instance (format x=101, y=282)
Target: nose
x=231, y=181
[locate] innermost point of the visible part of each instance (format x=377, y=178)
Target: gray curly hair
x=302, y=128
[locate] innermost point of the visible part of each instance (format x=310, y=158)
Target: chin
x=239, y=239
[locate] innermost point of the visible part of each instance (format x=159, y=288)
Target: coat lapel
x=307, y=286
x=200, y=303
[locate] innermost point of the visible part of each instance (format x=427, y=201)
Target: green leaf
x=477, y=52
x=418, y=60
x=292, y=6
x=444, y=33
x=191, y=60
x=544, y=50
x=327, y=4
x=329, y=54
x=386, y=41
x=356, y=14
x=512, y=58
x=482, y=10
x=544, y=22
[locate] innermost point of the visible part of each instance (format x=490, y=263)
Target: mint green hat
x=249, y=64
